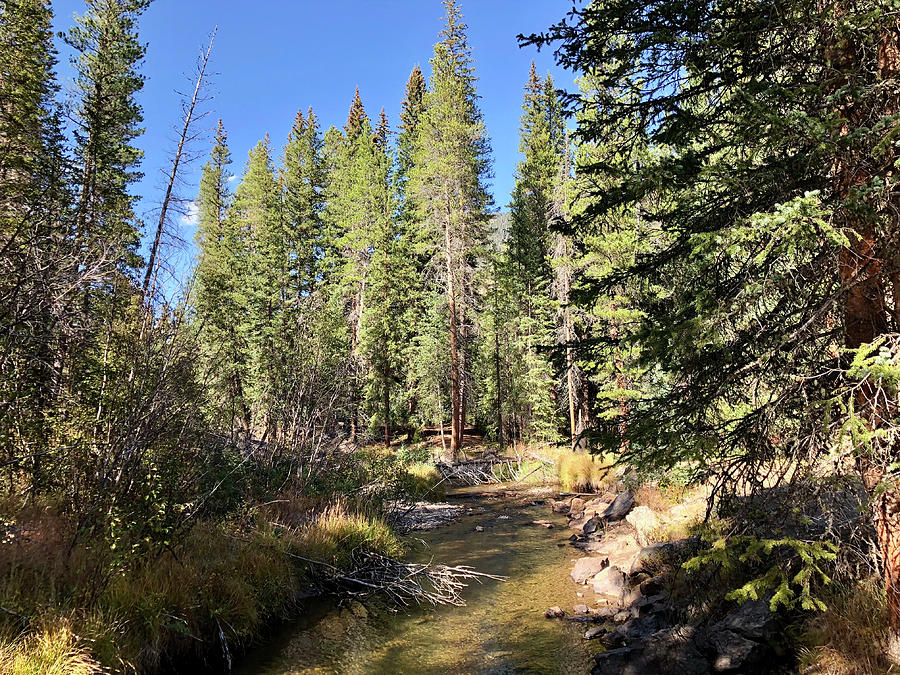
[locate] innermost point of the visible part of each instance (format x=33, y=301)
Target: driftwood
x=404, y=583
x=485, y=471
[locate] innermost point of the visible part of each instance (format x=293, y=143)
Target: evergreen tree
x=37, y=265
x=264, y=283
x=108, y=121
x=302, y=183
x=525, y=269
x=218, y=276
x=451, y=166
x=777, y=235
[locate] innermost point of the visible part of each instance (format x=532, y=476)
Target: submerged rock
x=555, y=613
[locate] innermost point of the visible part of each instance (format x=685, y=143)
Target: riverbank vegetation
x=696, y=283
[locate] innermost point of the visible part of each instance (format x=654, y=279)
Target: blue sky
x=274, y=57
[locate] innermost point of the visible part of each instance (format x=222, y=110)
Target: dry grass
x=422, y=480
x=849, y=637
x=234, y=577
x=48, y=650
x=581, y=472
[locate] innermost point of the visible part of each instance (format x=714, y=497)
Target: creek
x=501, y=628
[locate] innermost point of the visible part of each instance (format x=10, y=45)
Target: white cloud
x=232, y=177
x=190, y=217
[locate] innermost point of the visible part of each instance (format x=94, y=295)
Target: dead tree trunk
x=176, y=161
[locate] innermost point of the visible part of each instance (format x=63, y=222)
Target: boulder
x=576, y=505
x=666, y=651
x=752, y=620
x=645, y=557
x=597, y=505
x=633, y=630
x=610, y=582
x=604, y=612
x=620, y=507
x=591, y=525
x=581, y=609
x=555, y=613
x=733, y=651
x=559, y=506
x=586, y=568
x=645, y=522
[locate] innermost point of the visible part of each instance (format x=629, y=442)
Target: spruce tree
x=219, y=278
x=302, y=184
x=108, y=122
x=451, y=166
x=768, y=304
x=264, y=282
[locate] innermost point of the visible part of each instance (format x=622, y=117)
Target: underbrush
x=848, y=638
x=213, y=593
x=422, y=480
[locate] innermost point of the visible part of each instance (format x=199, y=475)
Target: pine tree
x=526, y=268
x=451, y=165
x=777, y=238
x=108, y=121
x=219, y=278
x=264, y=284
x=37, y=265
x=303, y=184
x=29, y=128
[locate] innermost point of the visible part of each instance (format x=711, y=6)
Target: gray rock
x=604, y=612
x=559, y=507
x=580, y=609
x=585, y=568
x=648, y=554
x=596, y=631
x=609, y=582
x=733, y=651
x=620, y=507
x=752, y=620
x=672, y=652
x=555, y=613
x=591, y=525
x=576, y=505
x=633, y=630
x=622, y=617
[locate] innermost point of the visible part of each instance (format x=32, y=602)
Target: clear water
x=501, y=629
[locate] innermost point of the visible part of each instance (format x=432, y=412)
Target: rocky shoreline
x=634, y=613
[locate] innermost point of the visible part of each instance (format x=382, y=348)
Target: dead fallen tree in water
x=404, y=583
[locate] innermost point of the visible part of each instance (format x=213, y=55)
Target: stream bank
x=501, y=629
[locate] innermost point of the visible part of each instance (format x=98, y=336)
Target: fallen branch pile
x=404, y=583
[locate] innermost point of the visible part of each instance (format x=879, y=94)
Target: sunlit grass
x=236, y=577
x=423, y=480
x=48, y=650
x=582, y=472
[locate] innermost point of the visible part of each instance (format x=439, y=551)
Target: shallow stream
x=501, y=629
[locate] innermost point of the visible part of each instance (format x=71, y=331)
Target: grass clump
x=168, y=608
x=48, y=650
x=582, y=472
x=849, y=637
